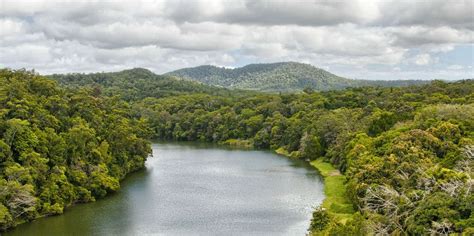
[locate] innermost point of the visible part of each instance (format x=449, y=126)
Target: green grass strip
x=336, y=201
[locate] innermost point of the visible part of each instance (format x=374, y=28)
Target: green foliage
x=238, y=143
x=381, y=122
x=403, y=146
x=320, y=221
x=357, y=226
x=404, y=155
x=137, y=84
x=436, y=208
x=6, y=220
x=59, y=148
x=55, y=209
x=310, y=146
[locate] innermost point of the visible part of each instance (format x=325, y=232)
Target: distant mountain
x=282, y=76
x=138, y=83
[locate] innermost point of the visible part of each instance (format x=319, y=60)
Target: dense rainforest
x=139, y=83
x=58, y=148
x=407, y=153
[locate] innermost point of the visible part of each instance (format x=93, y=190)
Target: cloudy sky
x=365, y=39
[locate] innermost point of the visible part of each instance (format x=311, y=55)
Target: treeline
x=58, y=148
x=136, y=84
x=407, y=152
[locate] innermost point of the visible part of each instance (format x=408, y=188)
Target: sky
x=362, y=39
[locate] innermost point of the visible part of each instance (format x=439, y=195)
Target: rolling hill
x=138, y=83
x=282, y=76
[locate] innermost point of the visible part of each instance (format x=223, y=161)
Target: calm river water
x=198, y=189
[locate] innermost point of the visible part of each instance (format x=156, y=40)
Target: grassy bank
x=336, y=201
x=238, y=143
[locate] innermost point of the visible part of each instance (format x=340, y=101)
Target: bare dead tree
x=19, y=199
x=441, y=228
x=469, y=151
x=403, y=175
x=466, y=165
x=21, y=202
x=452, y=187
x=426, y=182
x=386, y=201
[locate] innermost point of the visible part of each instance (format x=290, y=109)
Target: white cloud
x=93, y=35
x=455, y=67
x=423, y=59
x=415, y=36
x=261, y=12
x=11, y=27
x=453, y=13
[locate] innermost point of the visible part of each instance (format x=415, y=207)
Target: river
x=198, y=189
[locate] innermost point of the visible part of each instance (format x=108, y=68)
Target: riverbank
x=193, y=183
x=336, y=202
x=237, y=143
x=60, y=211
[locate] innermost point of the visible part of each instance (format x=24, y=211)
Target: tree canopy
x=58, y=148
x=407, y=152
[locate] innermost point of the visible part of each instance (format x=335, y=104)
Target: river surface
x=198, y=189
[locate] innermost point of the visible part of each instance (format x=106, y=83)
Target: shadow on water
x=77, y=218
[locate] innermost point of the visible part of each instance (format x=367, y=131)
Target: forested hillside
x=278, y=77
x=58, y=148
x=140, y=83
x=407, y=153
x=136, y=84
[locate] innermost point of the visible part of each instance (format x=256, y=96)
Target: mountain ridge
x=210, y=79
x=278, y=77
x=138, y=83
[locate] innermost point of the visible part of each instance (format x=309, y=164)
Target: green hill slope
x=282, y=76
x=137, y=84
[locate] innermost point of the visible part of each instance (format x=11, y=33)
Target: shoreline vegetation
x=60, y=148
x=336, y=202
x=68, y=207
x=405, y=155
x=237, y=143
